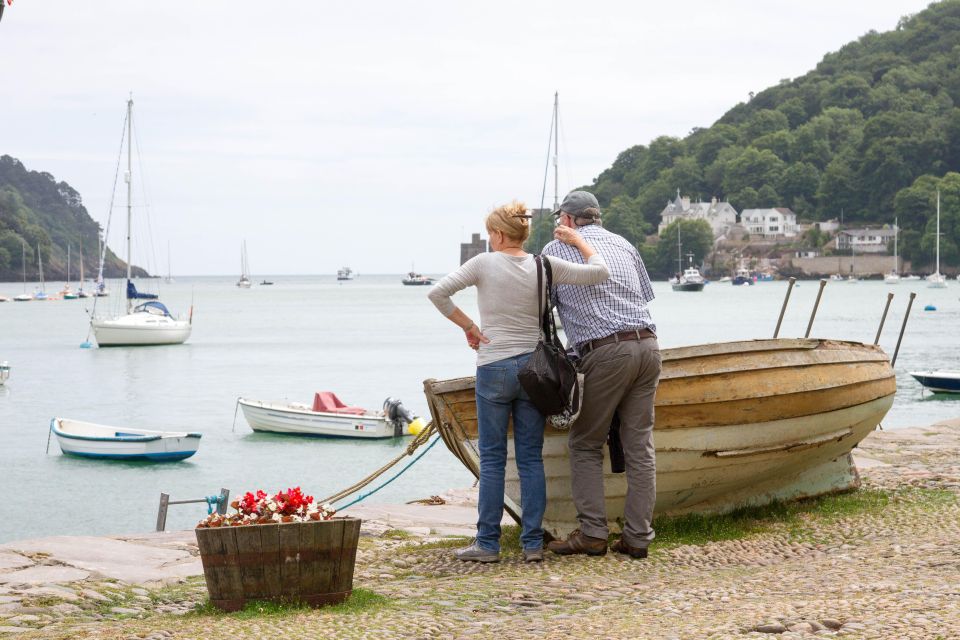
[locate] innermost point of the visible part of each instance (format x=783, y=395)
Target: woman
x=506, y=280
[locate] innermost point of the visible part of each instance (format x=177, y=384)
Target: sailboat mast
x=129, y=179
x=68, y=263
x=556, y=151
x=896, y=234
x=679, y=252
x=23, y=263
x=938, y=230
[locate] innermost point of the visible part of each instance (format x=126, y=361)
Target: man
x=613, y=333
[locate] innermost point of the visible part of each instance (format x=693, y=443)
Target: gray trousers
x=620, y=377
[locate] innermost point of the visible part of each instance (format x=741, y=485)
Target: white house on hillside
x=770, y=223
x=720, y=215
x=865, y=240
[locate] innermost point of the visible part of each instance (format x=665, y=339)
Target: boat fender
x=929, y=307
x=416, y=427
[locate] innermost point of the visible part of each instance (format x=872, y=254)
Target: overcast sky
x=374, y=134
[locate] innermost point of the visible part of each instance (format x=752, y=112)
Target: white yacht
x=146, y=323
x=937, y=280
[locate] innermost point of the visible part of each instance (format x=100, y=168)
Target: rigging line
x=106, y=230
x=546, y=172
x=566, y=151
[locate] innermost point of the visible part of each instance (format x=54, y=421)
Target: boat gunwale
x=160, y=435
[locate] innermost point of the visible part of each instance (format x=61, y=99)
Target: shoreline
x=878, y=573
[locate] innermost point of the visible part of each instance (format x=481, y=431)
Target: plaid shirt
x=619, y=304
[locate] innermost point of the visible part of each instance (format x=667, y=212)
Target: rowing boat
x=737, y=424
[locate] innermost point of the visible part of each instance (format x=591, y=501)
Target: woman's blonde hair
x=513, y=220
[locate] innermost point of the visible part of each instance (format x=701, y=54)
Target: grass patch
x=700, y=529
x=450, y=542
x=360, y=601
x=396, y=534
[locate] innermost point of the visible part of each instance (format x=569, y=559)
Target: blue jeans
x=499, y=395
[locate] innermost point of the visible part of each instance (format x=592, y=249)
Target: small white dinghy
x=330, y=417
x=89, y=440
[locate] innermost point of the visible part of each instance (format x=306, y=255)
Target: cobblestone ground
x=890, y=573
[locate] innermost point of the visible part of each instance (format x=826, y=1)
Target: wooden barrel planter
x=299, y=562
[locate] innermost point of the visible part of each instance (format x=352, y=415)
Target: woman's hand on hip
x=475, y=337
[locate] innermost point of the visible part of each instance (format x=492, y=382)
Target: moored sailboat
x=146, y=323
x=937, y=280
x=894, y=276
x=23, y=297
x=244, y=281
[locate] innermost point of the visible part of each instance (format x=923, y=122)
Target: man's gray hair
x=586, y=217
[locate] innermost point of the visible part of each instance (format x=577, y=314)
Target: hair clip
x=524, y=215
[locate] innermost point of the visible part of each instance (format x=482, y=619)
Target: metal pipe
x=903, y=327
x=816, y=305
x=786, y=299
x=883, y=318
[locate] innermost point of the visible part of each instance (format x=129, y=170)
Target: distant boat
x=89, y=440
x=169, y=278
x=101, y=291
x=41, y=293
x=910, y=277
x=744, y=277
x=244, y=281
x=67, y=293
x=4, y=299
x=329, y=417
x=690, y=279
x=937, y=280
x=345, y=273
x=939, y=381
x=147, y=323
x=414, y=279
x=4, y=372
x=23, y=297
x=894, y=276
x=80, y=292
x=266, y=282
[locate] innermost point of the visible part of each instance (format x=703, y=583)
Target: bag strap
x=549, y=322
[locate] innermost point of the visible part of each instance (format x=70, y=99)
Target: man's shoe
x=533, y=555
x=578, y=542
x=474, y=553
x=622, y=546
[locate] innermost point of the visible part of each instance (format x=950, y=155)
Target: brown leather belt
x=623, y=336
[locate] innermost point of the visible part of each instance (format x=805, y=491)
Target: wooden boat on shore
x=89, y=440
x=737, y=424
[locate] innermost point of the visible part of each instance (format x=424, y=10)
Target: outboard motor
x=398, y=415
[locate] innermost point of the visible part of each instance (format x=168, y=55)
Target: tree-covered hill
x=872, y=131
x=36, y=211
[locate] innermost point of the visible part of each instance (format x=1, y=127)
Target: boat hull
x=149, y=330
x=88, y=440
x=737, y=424
x=272, y=417
x=938, y=381
x=688, y=286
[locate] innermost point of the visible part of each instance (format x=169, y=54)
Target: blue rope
x=399, y=473
x=212, y=502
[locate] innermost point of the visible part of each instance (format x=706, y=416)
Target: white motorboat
x=330, y=417
x=415, y=279
x=4, y=299
x=937, y=280
x=244, y=281
x=345, y=273
x=147, y=323
x=89, y=440
x=4, y=372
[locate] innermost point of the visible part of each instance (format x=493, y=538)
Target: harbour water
x=365, y=339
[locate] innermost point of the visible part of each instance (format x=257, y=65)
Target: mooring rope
x=421, y=438
x=397, y=475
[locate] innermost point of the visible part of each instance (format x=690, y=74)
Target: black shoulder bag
x=550, y=377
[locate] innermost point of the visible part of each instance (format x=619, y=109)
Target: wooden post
x=903, y=327
x=162, y=512
x=813, y=314
x=883, y=318
x=786, y=299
